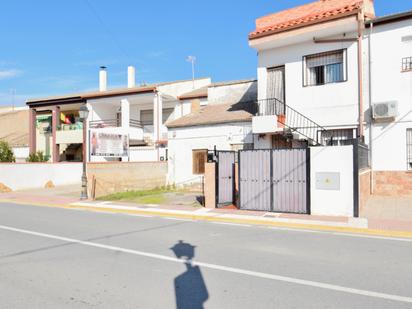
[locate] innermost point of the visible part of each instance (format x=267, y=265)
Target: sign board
x=328, y=181
x=109, y=144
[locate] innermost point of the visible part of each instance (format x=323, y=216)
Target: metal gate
x=275, y=180
x=225, y=174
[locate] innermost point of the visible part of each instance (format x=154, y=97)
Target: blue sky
x=51, y=47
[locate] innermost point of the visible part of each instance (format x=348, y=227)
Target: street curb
x=197, y=217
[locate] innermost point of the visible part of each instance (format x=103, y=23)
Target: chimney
x=103, y=79
x=131, y=77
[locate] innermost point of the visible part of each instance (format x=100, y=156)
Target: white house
x=124, y=124
x=14, y=130
x=220, y=118
x=330, y=71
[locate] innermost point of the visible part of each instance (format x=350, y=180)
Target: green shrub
x=6, y=154
x=37, y=157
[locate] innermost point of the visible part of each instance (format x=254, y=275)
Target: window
x=146, y=117
x=338, y=137
x=407, y=64
x=325, y=68
x=199, y=160
x=409, y=148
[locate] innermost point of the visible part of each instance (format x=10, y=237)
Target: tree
x=6, y=154
x=37, y=157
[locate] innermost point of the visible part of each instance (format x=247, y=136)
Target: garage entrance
x=276, y=180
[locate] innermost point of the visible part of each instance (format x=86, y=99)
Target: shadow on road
x=190, y=288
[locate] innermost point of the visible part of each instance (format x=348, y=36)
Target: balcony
x=274, y=116
x=114, y=126
x=70, y=133
x=114, y=123
x=269, y=117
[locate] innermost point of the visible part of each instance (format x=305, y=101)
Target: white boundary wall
x=182, y=142
x=332, y=201
x=21, y=176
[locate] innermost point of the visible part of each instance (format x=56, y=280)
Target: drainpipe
x=372, y=178
x=361, y=20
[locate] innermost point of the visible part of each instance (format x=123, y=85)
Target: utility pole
x=192, y=59
x=13, y=95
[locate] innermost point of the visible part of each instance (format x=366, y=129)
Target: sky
x=50, y=47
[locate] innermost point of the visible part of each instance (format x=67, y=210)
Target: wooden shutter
x=199, y=160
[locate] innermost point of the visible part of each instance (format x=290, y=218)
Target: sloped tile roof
x=305, y=14
x=216, y=114
x=197, y=93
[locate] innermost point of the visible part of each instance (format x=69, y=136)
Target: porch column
x=125, y=108
x=157, y=117
x=32, y=130
x=55, y=124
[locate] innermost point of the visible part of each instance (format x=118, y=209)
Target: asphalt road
x=60, y=258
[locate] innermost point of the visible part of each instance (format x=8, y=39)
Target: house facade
x=126, y=124
x=325, y=76
x=220, y=118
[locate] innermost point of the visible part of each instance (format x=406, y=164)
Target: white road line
x=220, y=267
x=336, y=233
x=232, y=224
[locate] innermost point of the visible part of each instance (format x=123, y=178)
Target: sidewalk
x=69, y=198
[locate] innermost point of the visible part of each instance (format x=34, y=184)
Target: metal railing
x=113, y=123
x=363, y=155
x=292, y=119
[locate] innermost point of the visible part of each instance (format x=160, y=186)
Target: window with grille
x=338, y=137
x=409, y=148
x=199, y=160
x=325, y=68
x=407, y=64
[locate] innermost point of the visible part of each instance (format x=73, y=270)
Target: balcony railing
x=291, y=119
x=298, y=123
x=113, y=123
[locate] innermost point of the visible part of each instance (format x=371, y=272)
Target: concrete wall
x=21, y=153
x=210, y=185
x=22, y=176
x=117, y=177
x=364, y=188
x=182, y=141
x=390, y=84
x=333, y=201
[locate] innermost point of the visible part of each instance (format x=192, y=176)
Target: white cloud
x=9, y=73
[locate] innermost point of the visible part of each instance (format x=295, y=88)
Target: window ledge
x=406, y=71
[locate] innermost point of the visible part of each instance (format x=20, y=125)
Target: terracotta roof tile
x=216, y=114
x=304, y=14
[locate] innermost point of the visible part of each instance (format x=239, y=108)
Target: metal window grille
x=338, y=137
x=409, y=148
x=363, y=156
x=324, y=68
x=407, y=64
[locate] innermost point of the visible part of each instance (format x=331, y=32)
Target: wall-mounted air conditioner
x=385, y=110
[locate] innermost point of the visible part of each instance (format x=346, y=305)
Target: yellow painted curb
x=316, y=227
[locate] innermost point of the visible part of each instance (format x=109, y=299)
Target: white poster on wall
x=109, y=144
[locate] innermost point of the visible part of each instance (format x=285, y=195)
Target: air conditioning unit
x=385, y=110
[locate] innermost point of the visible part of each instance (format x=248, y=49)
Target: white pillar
x=103, y=79
x=125, y=113
x=157, y=116
x=131, y=77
